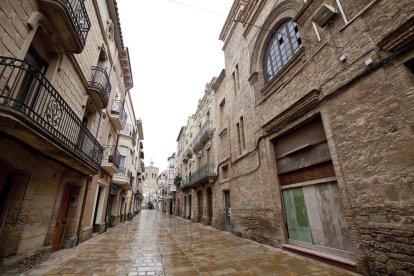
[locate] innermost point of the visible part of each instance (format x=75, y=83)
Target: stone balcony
x=33, y=111
x=110, y=159
x=99, y=87
x=123, y=179
x=118, y=115
x=205, y=174
x=130, y=132
x=71, y=21
x=203, y=136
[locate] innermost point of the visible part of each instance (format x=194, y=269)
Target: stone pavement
x=159, y=244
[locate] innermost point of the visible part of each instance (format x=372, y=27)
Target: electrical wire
x=196, y=8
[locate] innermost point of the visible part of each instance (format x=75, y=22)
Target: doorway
x=227, y=216
x=200, y=205
x=313, y=211
x=185, y=207
x=61, y=218
x=210, y=205
x=189, y=207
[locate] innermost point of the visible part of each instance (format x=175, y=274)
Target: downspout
x=88, y=185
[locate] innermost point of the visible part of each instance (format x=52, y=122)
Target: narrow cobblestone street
x=155, y=243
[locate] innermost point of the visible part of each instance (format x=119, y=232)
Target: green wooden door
x=296, y=215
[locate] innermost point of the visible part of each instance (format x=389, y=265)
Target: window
x=233, y=75
x=225, y=171
x=236, y=79
x=242, y=138
x=238, y=137
x=284, y=44
x=221, y=113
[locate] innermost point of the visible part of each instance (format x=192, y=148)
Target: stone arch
x=283, y=11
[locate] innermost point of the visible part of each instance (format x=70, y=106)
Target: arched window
x=284, y=44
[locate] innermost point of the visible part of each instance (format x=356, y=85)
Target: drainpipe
x=88, y=185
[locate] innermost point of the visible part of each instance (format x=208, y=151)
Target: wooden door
x=227, y=216
x=61, y=219
x=200, y=205
x=189, y=207
x=185, y=207
x=210, y=205
x=313, y=210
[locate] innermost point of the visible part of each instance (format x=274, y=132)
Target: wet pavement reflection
x=154, y=243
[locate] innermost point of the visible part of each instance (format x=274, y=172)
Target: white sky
x=174, y=51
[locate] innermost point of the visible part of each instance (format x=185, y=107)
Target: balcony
x=205, y=134
x=205, y=174
x=129, y=131
x=177, y=180
x=118, y=115
x=71, y=21
x=184, y=183
x=32, y=110
x=123, y=178
x=110, y=159
x=99, y=87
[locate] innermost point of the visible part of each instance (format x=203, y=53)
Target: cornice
x=126, y=68
x=296, y=110
x=114, y=14
x=219, y=80
x=399, y=37
x=233, y=14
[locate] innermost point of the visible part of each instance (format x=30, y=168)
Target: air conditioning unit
x=324, y=13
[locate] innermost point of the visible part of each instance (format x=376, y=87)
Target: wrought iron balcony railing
x=111, y=155
x=204, y=173
x=71, y=20
x=26, y=90
x=118, y=111
x=127, y=173
x=184, y=183
x=100, y=81
x=130, y=131
x=203, y=135
x=80, y=18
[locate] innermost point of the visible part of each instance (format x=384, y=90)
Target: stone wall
x=13, y=28
x=367, y=115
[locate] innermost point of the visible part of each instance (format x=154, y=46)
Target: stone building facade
x=314, y=130
x=150, y=188
x=64, y=71
x=195, y=160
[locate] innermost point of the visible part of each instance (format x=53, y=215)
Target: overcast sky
x=174, y=50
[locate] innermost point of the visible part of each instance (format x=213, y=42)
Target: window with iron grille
x=284, y=44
